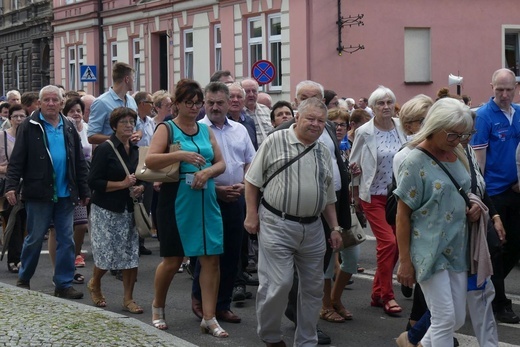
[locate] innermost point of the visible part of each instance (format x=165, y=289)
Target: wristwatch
x=337, y=228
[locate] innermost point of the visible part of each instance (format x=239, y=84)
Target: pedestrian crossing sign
x=88, y=73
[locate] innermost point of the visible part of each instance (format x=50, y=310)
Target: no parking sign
x=263, y=71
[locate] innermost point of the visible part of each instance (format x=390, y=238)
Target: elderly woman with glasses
x=188, y=215
x=432, y=218
x=115, y=241
x=374, y=147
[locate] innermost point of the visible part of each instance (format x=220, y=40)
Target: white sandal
x=159, y=323
x=217, y=331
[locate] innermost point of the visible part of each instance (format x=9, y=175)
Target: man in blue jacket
x=48, y=157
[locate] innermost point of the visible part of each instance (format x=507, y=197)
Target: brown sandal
x=97, y=298
x=330, y=315
x=132, y=307
x=343, y=312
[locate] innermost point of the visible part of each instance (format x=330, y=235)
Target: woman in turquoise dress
x=188, y=216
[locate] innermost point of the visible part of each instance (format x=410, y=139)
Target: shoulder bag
x=143, y=224
x=169, y=173
x=355, y=234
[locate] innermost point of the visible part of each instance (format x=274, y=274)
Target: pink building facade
x=409, y=46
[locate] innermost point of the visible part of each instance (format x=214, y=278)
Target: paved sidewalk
x=30, y=318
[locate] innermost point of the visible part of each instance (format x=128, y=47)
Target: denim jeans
x=39, y=217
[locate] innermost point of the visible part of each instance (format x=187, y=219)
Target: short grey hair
x=13, y=92
x=380, y=93
x=51, y=89
x=309, y=83
x=237, y=85
x=312, y=102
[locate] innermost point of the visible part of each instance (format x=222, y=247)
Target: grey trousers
x=283, y=246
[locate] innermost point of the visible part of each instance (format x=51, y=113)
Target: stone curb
x=31, y=318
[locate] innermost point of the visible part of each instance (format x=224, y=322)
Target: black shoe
x=506, y=315
x=250, y=280
x=23, y=284
x=455, y=342
x=190, y=269
x=68, y=293
x=119, y=275
x=144, y=251
x=239, y=293
x=323, y=339
x=249, y=295
x=407, y=291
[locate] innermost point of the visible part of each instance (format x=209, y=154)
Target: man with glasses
x=99, y=129
x=48, y=156
x=495, y=143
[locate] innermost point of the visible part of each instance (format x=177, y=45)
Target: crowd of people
x=271, y=184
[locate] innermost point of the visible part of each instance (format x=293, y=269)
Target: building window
x=113, y=52
x=73, y=68
x=14, y=4
x=16, y=74
x=218, y=47
x=2, y=77
x=137, y=64
x=512, y=50
x=254, y=35
x=275, y=49
x=272, y=38
x=417, y=55
x=188, y=54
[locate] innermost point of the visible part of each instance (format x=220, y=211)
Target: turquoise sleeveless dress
x=189, y=222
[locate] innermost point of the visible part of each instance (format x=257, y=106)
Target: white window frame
x=511, y=30
x=188, y=54
x=113, y=49
x=73, y=68
x=217, y=32
x=136, y=47
x=417, y=55
x=80, y=54
x=275, y=39
x=253, y=42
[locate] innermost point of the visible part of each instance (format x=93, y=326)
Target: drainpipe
x=101, y=66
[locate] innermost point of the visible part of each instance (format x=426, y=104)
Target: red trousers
x=387, y=254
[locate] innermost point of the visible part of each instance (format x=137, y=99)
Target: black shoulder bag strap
x=289, y=163
x=5, y=145
x=462, y=193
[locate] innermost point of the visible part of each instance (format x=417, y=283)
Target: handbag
x=142, y=221
x=169, y=173
x=355, y=234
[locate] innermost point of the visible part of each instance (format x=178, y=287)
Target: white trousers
x=481, y=314
x=445, y=294
x=282, y=246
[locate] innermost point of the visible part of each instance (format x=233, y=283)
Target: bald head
x=87, y=100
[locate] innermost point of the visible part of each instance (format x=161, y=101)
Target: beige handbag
x=168, y=174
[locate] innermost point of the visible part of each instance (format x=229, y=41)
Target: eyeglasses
x=166, y=105
x=341, y=125
x=420, y=120
x=450, y=137
x=190, y=104
x=148, y=102
x=19, y=116
x=127, y=121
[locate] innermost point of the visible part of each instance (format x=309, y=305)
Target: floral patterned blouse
x=439, y=234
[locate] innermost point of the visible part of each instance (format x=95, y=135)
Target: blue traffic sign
x=263, y=71
x=88, y=73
